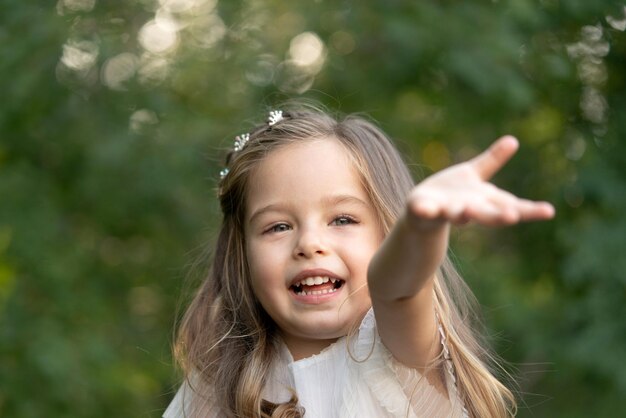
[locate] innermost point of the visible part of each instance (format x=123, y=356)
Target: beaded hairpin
x=274, y=117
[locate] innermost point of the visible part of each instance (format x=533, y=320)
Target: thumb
x=490, y=161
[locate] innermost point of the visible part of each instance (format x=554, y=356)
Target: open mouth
x=317, y=285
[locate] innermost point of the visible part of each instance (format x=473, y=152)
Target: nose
x=310, y=243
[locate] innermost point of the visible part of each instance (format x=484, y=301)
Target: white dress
x=334, y=384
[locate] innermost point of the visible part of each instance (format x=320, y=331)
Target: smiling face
x=310, y=233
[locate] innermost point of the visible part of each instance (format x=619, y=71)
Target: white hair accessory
x=275, y=117
x=241, y=141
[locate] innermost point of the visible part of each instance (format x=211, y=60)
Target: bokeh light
x=159, y=37
x=118, y=70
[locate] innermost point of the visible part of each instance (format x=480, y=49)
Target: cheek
x=374, y=242
x=264, y=267
x=258, y=282
x=369, y=248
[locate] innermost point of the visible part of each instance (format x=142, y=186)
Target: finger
x=425, y=213
x=454, y=212
x=425, y=208
x=508, y=204
x=460, y=217
x=535, y=211
x=516, y=210
x=490, y=161
x=484, y=213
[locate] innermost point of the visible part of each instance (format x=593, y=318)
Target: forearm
x=408, y=258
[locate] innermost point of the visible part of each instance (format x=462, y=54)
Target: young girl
x=330, y=294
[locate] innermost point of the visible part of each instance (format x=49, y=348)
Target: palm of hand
x=462, y=193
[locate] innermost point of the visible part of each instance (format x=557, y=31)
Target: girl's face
x=311, y=231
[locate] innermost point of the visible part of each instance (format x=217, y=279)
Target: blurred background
x=115, y=115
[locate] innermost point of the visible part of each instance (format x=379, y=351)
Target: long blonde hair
x=226, y=342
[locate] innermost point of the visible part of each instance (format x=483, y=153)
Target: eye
x=342, y=220
x=282, y=227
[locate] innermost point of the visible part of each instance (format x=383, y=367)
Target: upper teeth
x=316, y=280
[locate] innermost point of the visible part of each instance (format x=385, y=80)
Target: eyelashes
x=342, y=220
x=339, y=220
x=277, y=228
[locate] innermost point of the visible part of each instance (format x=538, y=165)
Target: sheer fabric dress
x=370, y=383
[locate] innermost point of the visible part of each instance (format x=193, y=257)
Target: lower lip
x=316, y=299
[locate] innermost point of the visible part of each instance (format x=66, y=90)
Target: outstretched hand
x=462, y=193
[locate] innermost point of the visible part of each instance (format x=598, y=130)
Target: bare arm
x=401, y=273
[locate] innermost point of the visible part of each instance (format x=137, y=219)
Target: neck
x=301, y=348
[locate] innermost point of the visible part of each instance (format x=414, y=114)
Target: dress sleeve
x=401, y=390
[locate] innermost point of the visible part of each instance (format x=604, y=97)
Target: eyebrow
x=343, y=198
x=327, y=201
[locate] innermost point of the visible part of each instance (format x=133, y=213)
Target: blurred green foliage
x=114, y=116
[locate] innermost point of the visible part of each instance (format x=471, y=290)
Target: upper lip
x=313, y=273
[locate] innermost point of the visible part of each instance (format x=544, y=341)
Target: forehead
x=304, y=172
